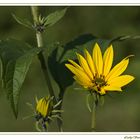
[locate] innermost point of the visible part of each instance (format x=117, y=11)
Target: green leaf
x=57, y=58
x=52, y=18
x=23, y=22
x=101, y=100
x=16, y=58
x=126, y=37
x=89, y=101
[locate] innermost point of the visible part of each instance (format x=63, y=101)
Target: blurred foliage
x=121, y=110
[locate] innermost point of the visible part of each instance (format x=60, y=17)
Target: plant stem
x=46, y=75
x=93, y=113
x=34, y=10
x=41, y=57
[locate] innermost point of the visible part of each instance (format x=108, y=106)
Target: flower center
x=99, y=82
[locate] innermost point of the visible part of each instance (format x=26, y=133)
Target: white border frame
x=70, y=135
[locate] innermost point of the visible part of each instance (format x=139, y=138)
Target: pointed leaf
x=101, y=100
x=125, y=37
x=16, y=58
x=23, y=22
x=52, y=18
x=59, y=56
x=88, y=102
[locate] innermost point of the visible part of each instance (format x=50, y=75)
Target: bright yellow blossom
x=46, y=110
x=43, y=106
x=95, y=73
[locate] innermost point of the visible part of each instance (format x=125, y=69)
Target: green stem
x=93, y=113
x=41, y=57
x=34, y=10
x=46, y=75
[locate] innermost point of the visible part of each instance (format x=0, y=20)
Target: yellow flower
x=95, y=73
x=43, y=106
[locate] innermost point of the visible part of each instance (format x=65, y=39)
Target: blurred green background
x=121, y=111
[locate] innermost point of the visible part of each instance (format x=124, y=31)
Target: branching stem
x=41, y=57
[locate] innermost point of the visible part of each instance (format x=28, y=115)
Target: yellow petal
x=78, y=72
x=82, y=82
x=102, y=92
x=97, y=58
x=90, y=62
x=40, y=110
x=39, y=105
x=108, y=60
x=75, y=64
x=85, y=66
x=46, y=107
x=43, y=112
x=118, y=69
x=112, y=88
x=121, y=81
